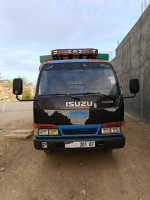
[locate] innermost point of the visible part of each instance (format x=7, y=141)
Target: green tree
x=27, y=94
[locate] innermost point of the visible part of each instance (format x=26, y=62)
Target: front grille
x=79, y=131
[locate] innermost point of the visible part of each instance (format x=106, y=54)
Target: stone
x=2, y=170
x=83, y=192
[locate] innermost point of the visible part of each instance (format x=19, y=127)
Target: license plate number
x=81, y=144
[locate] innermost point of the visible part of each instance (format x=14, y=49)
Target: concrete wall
x=133, y=61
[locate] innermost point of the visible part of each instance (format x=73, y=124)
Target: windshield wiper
x=98, y=94
x=69, y=95
x=57, y=94
x=86, y=93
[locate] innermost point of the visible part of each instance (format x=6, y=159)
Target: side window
x=43, y=81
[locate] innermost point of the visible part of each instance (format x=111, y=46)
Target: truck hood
x=64, y=110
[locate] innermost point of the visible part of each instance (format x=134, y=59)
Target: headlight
x=43, y=131
x=53, y=131
x=108, y=130
x=105, y=130
x=115, y=129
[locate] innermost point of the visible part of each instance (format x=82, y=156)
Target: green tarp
x=42, y=58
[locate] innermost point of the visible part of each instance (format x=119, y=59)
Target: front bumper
x=113, y=142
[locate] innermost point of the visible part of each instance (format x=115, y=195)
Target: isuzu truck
x=78, y=101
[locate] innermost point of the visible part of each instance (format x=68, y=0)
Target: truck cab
x=78, y=102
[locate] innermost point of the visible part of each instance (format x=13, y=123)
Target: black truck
x=78, y=102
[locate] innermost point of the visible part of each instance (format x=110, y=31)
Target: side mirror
x=17, y=86
x=134, y=86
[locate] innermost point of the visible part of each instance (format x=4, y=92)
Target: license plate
x=80, y=144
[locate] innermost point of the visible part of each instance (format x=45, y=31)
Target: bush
x=27, y=93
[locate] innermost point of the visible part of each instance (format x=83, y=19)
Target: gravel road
x=28, y=174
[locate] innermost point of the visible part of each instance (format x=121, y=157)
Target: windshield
x=77, y=78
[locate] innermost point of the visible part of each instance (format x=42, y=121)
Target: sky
x=31, y=28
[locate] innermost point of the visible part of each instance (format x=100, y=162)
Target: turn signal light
x=122, y=123
x=44, y=126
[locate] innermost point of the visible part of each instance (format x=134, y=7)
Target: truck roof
x=76, y=60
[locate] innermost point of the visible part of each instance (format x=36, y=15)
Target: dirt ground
x=28, y=174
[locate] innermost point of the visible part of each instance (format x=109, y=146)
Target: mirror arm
x=25, y=99
x=130, y=96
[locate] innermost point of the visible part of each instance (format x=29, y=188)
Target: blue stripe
x=79, y=126
x=97, y=126
x=74, y=60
